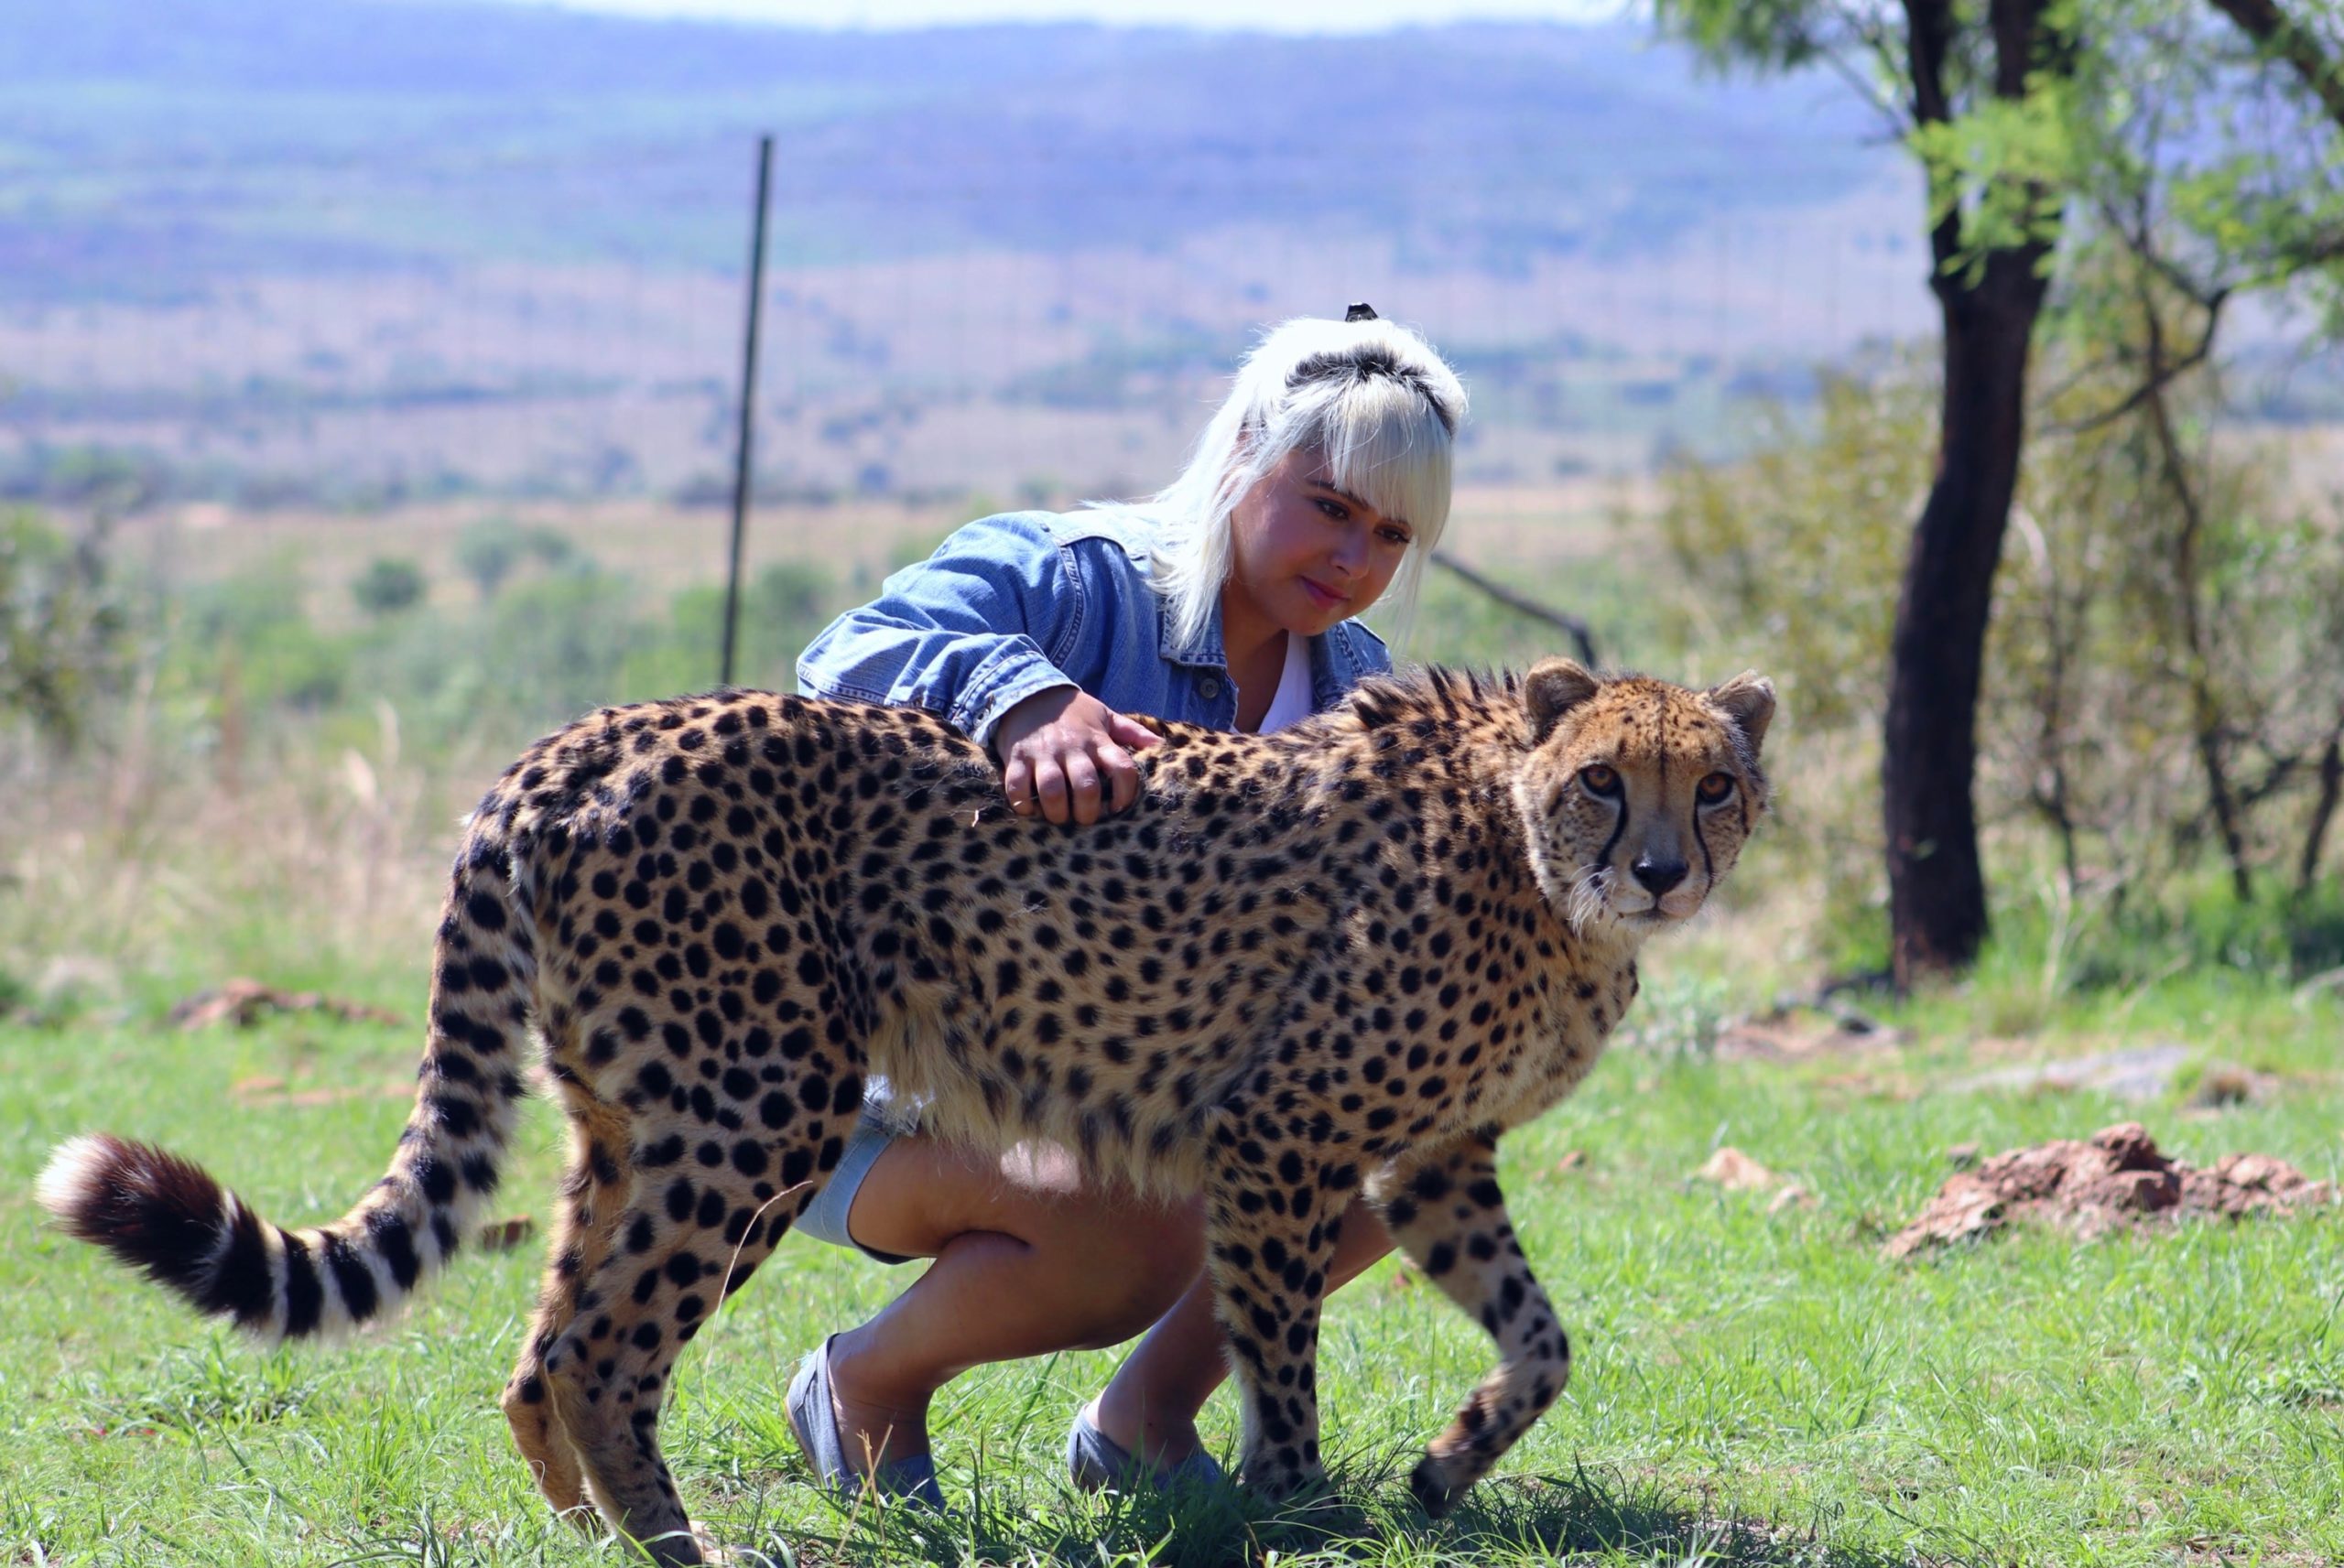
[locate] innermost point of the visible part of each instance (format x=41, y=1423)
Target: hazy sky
x=1285, y=16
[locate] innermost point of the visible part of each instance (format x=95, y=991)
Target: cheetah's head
x=1637, y=795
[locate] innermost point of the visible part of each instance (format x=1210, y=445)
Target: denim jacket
x=1018, y=603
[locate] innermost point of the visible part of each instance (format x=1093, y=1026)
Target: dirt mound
x=2119, y=1178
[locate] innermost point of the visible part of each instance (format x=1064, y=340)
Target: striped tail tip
x=169, y=1219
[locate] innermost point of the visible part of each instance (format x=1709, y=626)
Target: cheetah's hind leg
x=594, y=1193
x=1444, y=1208
x=691, y=1235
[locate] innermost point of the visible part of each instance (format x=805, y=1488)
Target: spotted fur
x=1346, y=956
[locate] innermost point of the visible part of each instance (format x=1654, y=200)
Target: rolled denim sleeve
x=967, y=634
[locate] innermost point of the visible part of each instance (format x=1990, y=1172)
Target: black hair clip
x=1363, y=311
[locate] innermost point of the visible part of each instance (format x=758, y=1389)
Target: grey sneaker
x=1095, y=1461
x=814, y=1418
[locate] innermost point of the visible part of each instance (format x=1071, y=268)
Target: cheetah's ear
x=1552, y=689
x=1749, y=700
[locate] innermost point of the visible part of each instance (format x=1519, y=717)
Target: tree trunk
x=1937, y=888
x=2331, y=787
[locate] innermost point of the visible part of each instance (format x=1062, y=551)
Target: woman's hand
x=1060, y=748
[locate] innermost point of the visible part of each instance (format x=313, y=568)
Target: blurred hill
x=221, y=135
x=250, y=249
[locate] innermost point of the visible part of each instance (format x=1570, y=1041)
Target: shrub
x=490, y=550
x=63, y=628
x=388, y=585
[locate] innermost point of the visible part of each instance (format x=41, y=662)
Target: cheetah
x=1343, y=957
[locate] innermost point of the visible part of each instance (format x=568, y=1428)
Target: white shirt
x=1291, y=702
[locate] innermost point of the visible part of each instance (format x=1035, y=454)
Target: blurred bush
x=246, y=641
x=240, y=654
x=64, y=627
x=490, y=551
x=388, y=585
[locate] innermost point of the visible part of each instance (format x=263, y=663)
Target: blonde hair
x=1371, y=395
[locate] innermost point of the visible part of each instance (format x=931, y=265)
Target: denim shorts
x=825, y=1217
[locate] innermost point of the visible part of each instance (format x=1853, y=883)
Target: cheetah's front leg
x=1271, y=1221
x=1443, y=1207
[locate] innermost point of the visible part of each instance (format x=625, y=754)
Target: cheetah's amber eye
x=1714, y=789
x=1600, y=780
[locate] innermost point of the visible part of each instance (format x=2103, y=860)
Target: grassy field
x=1754, y=1384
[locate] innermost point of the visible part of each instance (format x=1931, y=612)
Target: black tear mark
x=1603, y=860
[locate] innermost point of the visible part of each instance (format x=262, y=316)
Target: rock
x=1796, y=1030
x=2240, y=1184
x=2225, y=1083
x=1735, y=1171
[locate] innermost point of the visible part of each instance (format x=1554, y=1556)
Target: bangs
x=1366, y=397
x=1385, y=442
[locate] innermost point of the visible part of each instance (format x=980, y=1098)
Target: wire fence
x=436, y=326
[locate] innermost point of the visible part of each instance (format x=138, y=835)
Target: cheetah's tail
x=158, y=1212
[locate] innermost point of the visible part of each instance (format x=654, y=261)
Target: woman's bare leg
x=1149, y=1406
x=1028, y=1260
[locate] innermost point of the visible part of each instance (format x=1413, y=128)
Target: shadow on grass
x=1541, y=1518
x=1512, y=1520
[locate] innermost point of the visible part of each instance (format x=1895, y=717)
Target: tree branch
x=2015, y=26
x=2166, y=373
x=2139, y=238
x=2289, y=40
x=1875, y=35
x=1864, y=88
x=2206, y=720
x=1571, y=626
x=2315, y=251
x=1928, y=45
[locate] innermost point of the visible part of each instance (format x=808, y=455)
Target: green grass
x=1751, y=1386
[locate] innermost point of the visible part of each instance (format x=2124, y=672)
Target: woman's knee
x=1136, y=1262
x=918, y=1193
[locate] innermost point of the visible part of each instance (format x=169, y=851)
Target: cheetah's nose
x=1659, y=875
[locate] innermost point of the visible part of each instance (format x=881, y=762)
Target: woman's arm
x=967, y=634
x=971, y=634
x=1069, y=755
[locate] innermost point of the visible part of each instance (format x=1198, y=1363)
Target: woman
x=1319, y=487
